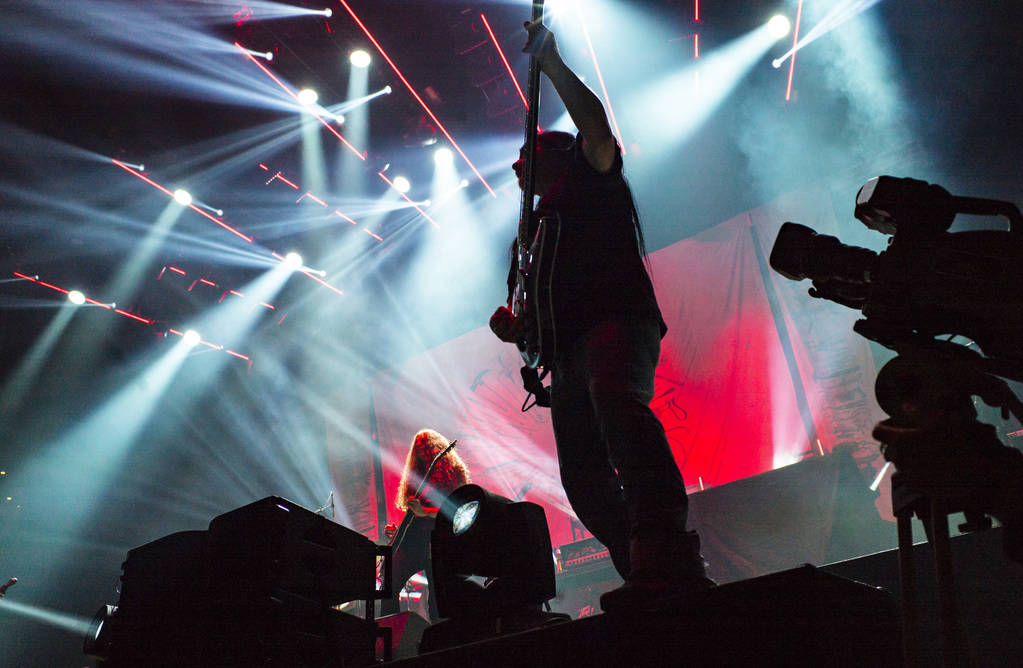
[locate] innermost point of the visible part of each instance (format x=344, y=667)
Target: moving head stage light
x=508, y=544
x=930, y=282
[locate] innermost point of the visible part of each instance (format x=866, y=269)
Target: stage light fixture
x=76, y=297
x=483, y=535
x=779, y=26
x=191, y=338
x=269, y=56
x=340, y=119
x=97, y=643
x=293, y=260
x=328, y=12
x=387, y=90
x=308, y=96
x=479, y=533
x=182, y=197
x=401, y=184
x=443, y=157
x=360, y=58
x=465, y=517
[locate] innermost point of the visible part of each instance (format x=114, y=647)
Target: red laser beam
x=286, y=89
x=415, y=95
x=218, y=222
x=98, y=303
x=133, y=316
x=792, y=58
x=313, y=197
x=504, y=60
x=336, y=211
x=600, y=78
x=190, y=206
x=301, y=271
x=279, y=177
x=348, y=218
x=407, y=199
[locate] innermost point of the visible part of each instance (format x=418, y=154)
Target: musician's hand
x=506, y=326
x=419, y=510
x=390, y=531
x=540, y=43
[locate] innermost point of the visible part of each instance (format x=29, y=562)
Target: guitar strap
x=540, y=394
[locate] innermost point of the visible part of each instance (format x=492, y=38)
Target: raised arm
x=582, y=104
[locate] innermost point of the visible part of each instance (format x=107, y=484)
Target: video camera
x=929, y=281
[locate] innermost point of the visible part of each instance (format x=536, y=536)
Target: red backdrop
x=727, y=387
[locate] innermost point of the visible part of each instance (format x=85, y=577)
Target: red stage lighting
x=416, y=95
x=284, y=87
x=504, y=60
x=600, y=78
x=792, y=58
x=193, y=207
x=407, y=199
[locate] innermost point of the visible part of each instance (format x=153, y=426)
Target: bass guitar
x=523, y=298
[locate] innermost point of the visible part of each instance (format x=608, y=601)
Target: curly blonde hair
x=449, y=474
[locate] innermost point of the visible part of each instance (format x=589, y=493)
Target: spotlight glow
x=340, y=119
x=182, y=197
x=443, y=157
x=464, y=517
x=328, y=12
x=269, y=56
x=779, y=26
x=191, y=338
x=293, y=260
x=308, y=96
x=76, y=297
x=401, y=184
x=387, y=90
x=360, y=58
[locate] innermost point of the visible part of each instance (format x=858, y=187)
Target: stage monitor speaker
x=275, y=545
x=257, y=588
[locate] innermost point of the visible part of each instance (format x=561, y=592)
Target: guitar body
x=531, y=298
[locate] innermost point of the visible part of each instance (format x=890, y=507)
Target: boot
x=663, y=570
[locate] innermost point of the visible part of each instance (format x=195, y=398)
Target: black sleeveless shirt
x=598, y=273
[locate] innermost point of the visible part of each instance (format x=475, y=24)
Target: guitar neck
x=532, y=120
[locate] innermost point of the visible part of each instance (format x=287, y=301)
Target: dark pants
x=616, y=465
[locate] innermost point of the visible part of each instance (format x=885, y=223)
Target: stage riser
x=989, y=592
x=797, y=617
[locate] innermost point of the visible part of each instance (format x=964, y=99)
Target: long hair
x=449, y=474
